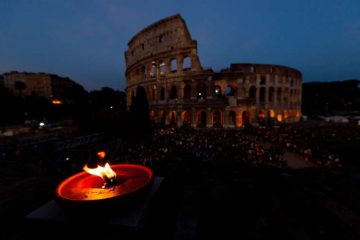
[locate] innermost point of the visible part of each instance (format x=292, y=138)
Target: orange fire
x=101, y=154
x=105, y=172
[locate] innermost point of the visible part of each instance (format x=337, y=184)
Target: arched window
x=262, y=95
x=143, y=70
x=162, y=68
x=201, y=90
x=187, y=91
x=217, y=91
x=150, y=95
x=173, y=65
x=187, y=64
x=252, y=92
x=271, y=94
x=279, y=94
x=262, y=80
x=173, y=92
x=162, y=94
x=230, y=90
x=153, y=70
x=286, y=95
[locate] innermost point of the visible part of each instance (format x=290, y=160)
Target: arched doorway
x=162, y=118
x=217, y=119
x=172, y=118
x=262, y=117
x=185, y=118
x=173, y=93
x=262, y=94
x=245, y=118
x=270, y=117
x=202, y=119
x=187, y=91
x=152, y=115
x=271, y=94
x=232, y=118
x=279, y=117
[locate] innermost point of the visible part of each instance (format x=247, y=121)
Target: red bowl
x=84, y=191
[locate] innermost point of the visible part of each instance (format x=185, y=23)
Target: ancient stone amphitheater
x=162, y=58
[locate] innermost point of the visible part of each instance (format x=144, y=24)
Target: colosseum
x=162, y=58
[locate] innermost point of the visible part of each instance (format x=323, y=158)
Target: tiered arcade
x=163, y=59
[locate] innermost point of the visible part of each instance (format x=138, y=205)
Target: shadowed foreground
x=200, y=200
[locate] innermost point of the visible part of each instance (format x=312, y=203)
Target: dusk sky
x=86, y=39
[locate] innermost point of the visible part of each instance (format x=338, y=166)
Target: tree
x=140, y=108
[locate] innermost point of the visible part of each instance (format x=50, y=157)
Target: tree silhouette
x=140, y=108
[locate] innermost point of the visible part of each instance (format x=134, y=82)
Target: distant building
x=162, y=58
x=55, y=88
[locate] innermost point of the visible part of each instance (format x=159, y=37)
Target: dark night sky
x=86, y=39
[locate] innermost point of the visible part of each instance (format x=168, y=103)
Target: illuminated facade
x=162, y=58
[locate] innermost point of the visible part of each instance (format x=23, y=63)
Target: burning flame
x=105, y=172
x=101, y=154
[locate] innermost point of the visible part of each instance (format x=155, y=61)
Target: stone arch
x=153, y=70
x=262, y=80
x=162, y=93
x=162, y=117
x=201, y=90
x=252, y=92
x=173, y=65
x=279, y=95
x=217, y=122
x=173, y=93
x=187, y=63
x=286, y=95
x=262, y=117
x=270, y=116
x=231, y=90
x=143, y=70
x=232, y=118
x=271, y=94
x=152, y=115
x=187, y=91
x=262, y=94
x=172, y=117
x=162, y=66
x=201, y=118
x=245, y=115
x=279, y=117
x=150, y=92
x=217, y=92
x=185, y=117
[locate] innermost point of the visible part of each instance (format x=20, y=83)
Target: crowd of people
x=313, y=142
x=178, y=148
x=171, y=149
